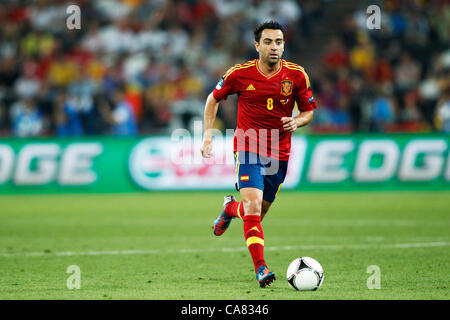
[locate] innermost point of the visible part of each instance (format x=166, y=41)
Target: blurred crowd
x=146, y=67
x=392, y=79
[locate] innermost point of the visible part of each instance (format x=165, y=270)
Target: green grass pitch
x=161, y=246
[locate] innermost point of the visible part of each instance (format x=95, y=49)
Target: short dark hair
x=268, y=25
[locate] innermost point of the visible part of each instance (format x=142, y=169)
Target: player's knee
x=252, y=206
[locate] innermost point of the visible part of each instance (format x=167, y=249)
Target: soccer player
x=268, y=89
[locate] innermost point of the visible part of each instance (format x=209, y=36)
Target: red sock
x=235, y=209
x=254, y=236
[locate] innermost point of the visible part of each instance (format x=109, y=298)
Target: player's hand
x=207, y=148
x=289, y=124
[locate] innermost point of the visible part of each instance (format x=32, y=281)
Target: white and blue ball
x=304, y=274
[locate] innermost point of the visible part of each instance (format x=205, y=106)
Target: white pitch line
x=181, y=251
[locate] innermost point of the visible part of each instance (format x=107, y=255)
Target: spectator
x=410, y=116
x=442, y=114
x=62, y=71
x=26, y=119
x=407, y=73
x=27, y=86
x=4, y=124
x=185, y=112
x=121, y=117
x=383, y=109
x=363, y=54
x=336, y=55
x=67, y=116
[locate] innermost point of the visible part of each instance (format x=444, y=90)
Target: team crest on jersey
x=286, y=87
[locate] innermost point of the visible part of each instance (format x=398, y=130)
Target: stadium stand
x=146, y=67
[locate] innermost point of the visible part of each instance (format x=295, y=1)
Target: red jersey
x=262, y=102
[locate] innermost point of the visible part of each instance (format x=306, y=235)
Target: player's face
x=270, y=46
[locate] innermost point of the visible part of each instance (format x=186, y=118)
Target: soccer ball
x=305, y=274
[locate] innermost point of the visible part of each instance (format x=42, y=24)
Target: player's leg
x=250, y=183
x=231, y=208
x=235, y=209
x=272, y=186
x=252, y=199
x=248, y=175
x=248, y=172
x=265, y=208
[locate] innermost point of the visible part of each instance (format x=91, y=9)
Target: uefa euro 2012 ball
x=305, y=273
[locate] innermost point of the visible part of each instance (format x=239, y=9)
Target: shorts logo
x=286, y=87
x=245, y=178
x=219, y=84
x=310, y=100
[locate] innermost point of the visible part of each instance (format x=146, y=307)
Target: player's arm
x=209, y=116
x=292, y=123
x=305, y=103
x=224, y=87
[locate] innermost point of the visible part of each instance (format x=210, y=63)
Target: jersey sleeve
x=304, y=97
x=226, y=86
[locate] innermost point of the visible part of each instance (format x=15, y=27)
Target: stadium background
x=90, y=111
x=164, y=57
